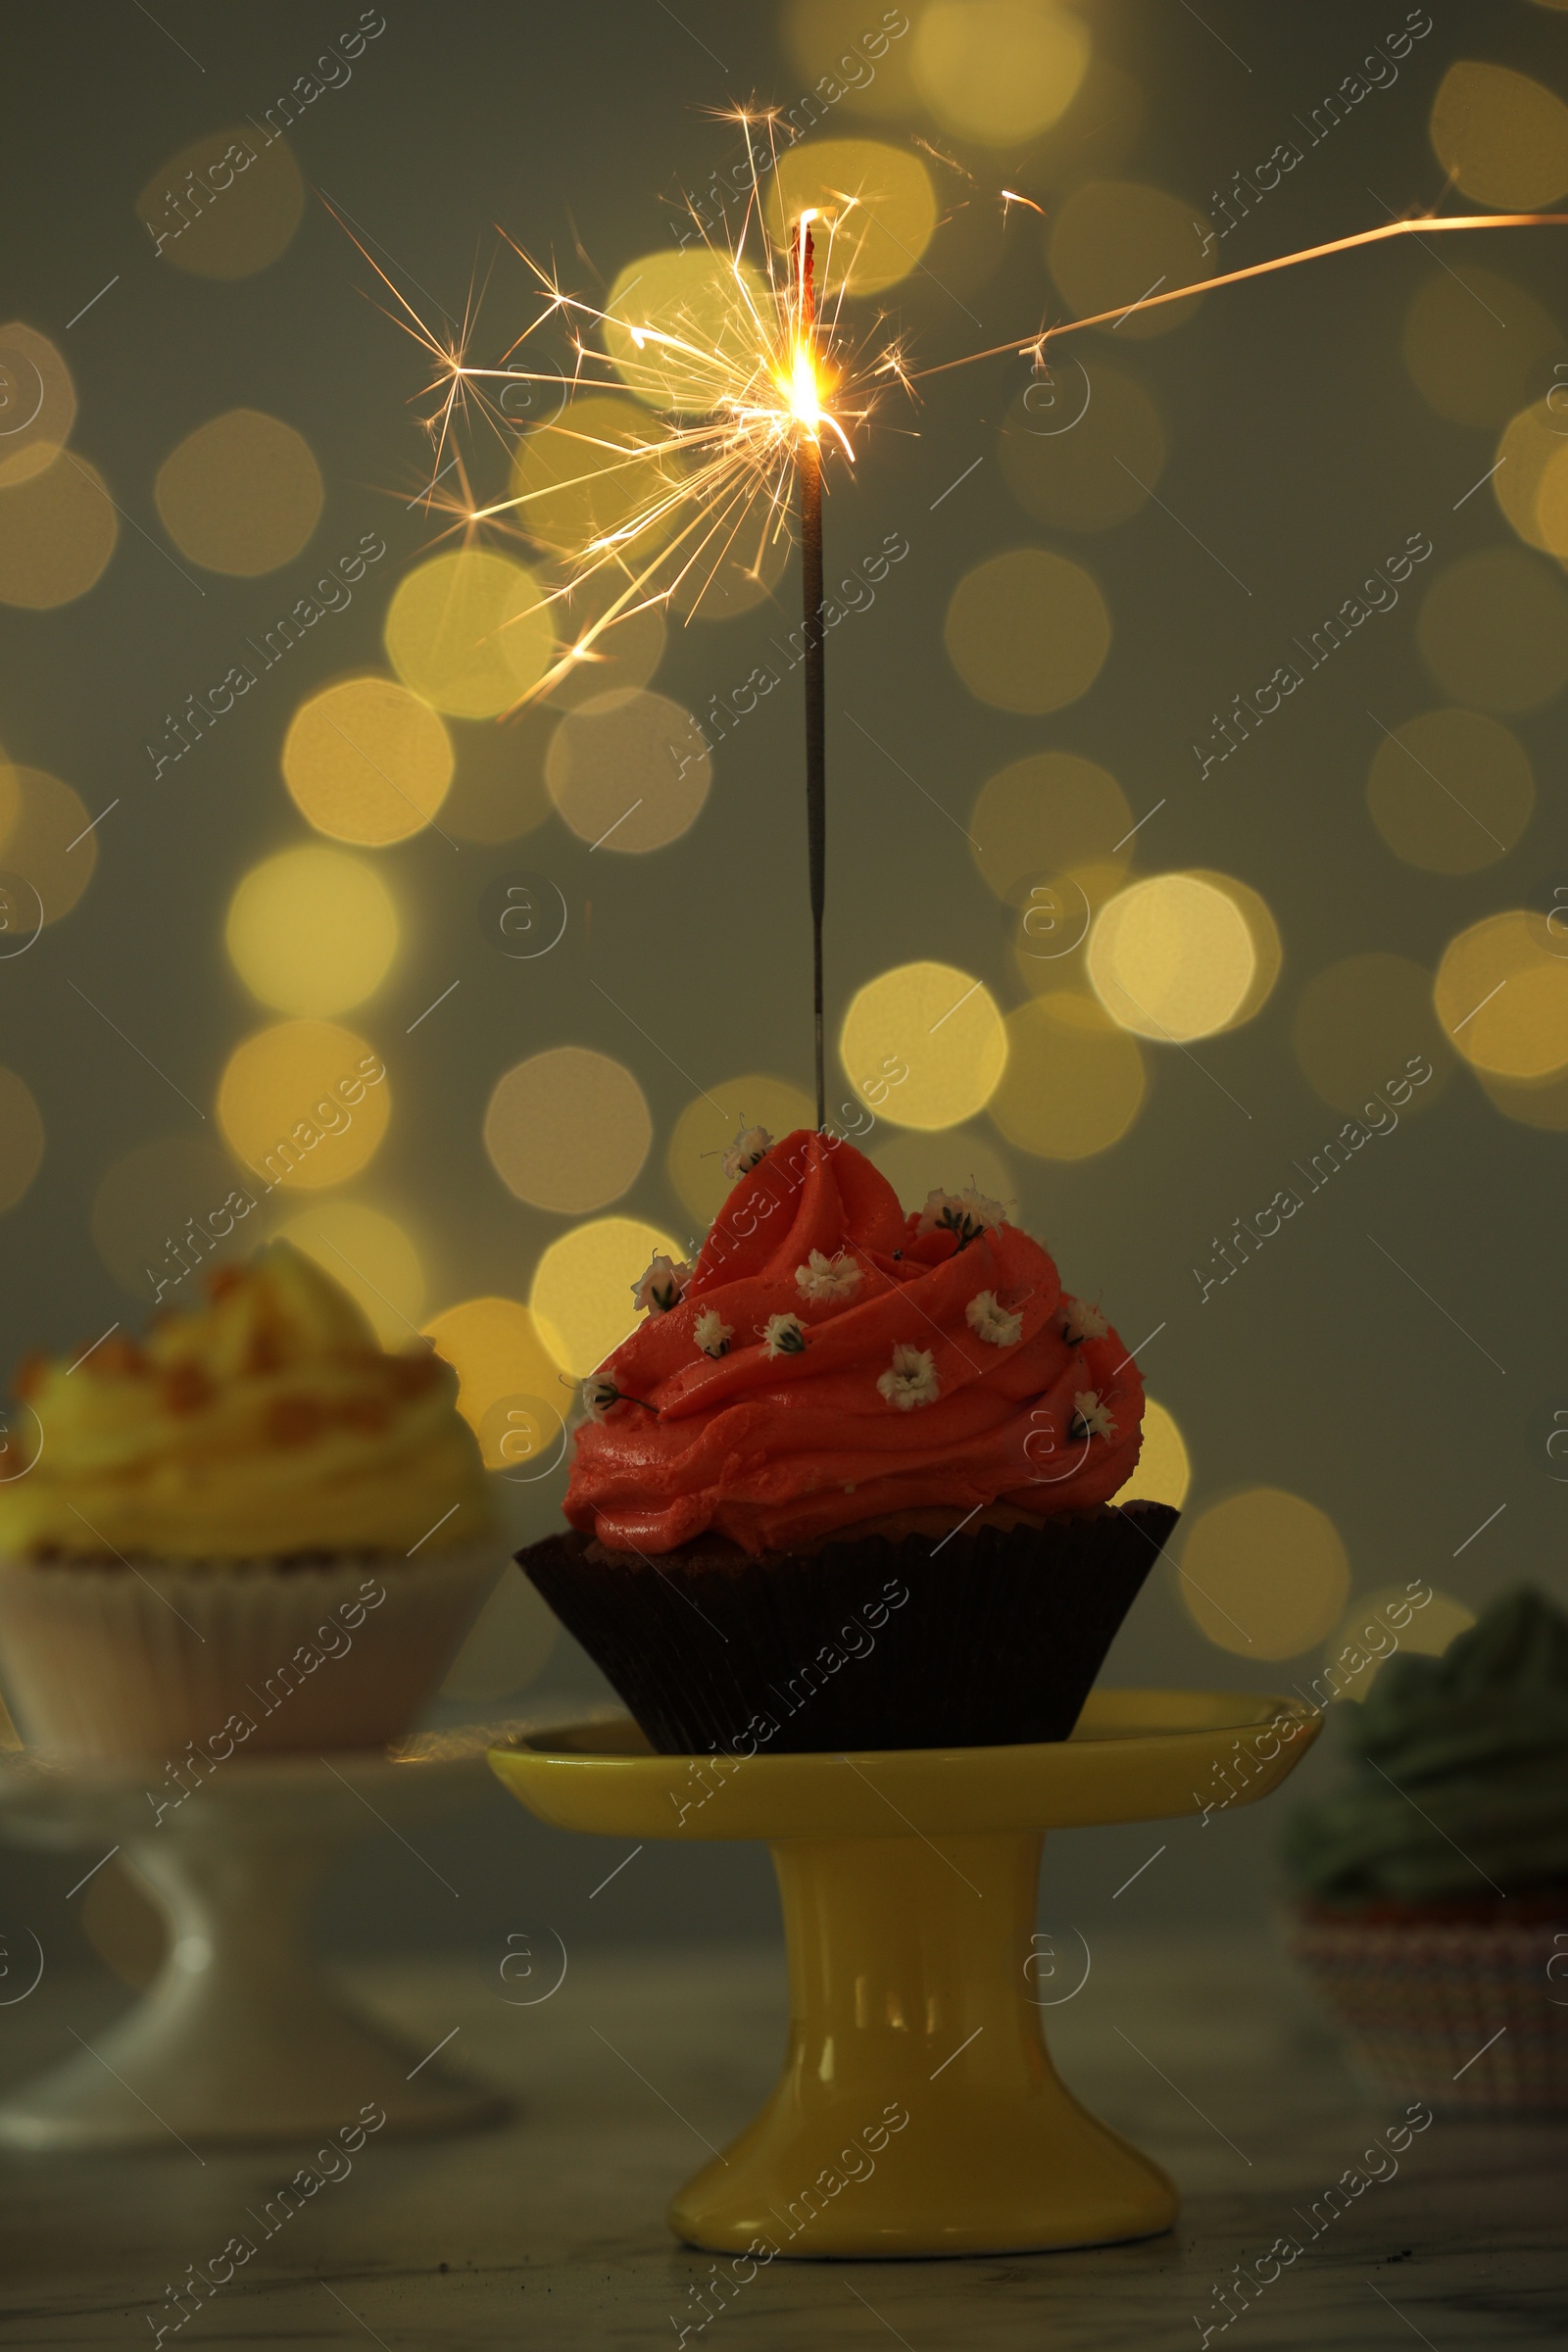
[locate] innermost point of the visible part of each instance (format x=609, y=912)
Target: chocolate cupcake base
x=974, y=1640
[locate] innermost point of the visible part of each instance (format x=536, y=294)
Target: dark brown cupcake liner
x=969, y=1641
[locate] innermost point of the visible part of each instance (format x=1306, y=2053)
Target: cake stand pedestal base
x=918, y=2112
x=241, y=2037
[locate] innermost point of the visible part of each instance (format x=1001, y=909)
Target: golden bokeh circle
x=494, y=1348
x=1264, y=1574
x=1114, y=241
x=367, y=762
x=301, y=1104
x=1027, y=631
x=37, y=404
x=1075, y=1082
x=1268, y=949
x=1050, y=813
x=1451, y=791
x=628, y=771
x=1172, y=957
x=1477, y=345
x=680, y=325
x=581, y=1299
x=1500, y=137
x=1530, y=442
x=567, y=1130
x=997, y=71
x=312, y=930
x=923, y=1045
x=21, y=1139
x=56, y=533
x=1358, y=1026
x=862, y=67
x=876, y=208
x=1540, y=1103
x=1493, y=630
x=1082, y=447
x=373, y=1259
x=1502, y=995
x=708, y=1126
x=44, y=839
x=164, y=1210
x=241, y=494
x=470, y=631
x=1371, y=1633
x=226, y=204
x=1164, y=1469
x=585, y=475
x=1550, y=510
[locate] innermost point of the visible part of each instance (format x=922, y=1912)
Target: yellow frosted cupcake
x=256, y=1528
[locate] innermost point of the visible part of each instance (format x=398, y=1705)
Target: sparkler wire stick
x=808, y=466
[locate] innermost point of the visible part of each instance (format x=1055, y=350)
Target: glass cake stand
x=241, y=2037
x=918, y=2112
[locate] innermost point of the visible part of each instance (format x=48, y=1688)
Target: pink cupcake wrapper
x=104, y=1663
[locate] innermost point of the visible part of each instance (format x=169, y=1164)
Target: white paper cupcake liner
x=222, y=1657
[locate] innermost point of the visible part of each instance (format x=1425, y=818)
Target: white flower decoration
x=598, y=1396
x=712, y=1334
x=911, y=1379
x=968, y=1214
x=783, y=1335
x=750, y=1146
x=661, y=1286
x=1090, y=1417
x=825, y=1278
x=1081, y=1321
x=988, y=1320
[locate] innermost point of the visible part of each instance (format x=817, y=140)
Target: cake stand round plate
x=918, y=2112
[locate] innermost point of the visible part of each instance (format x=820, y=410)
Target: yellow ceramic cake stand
x=918, y=2111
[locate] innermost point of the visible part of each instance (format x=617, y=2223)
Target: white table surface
x=547, y=2232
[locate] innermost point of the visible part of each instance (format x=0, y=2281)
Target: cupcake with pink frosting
x=849, y=1482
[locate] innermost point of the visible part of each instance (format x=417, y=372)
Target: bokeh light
x=877, y=201
x=997, y=71
x=1114, y=242
x=1550, y=504
x=44, y=840
x=1500, y=137
x=1540, y=1103
x=628, y=771
x=300, y=1104
x=37, y=404
x=1502, y=995
x=732, y=577
x=1372, y=1634
x=575, y=483
x=706, y=1128
x=1264, y=1574
x=241, y=494
x=844, y=62
x=621, y=657
x=1027, y=631
x=581, y=1297
x=923, y=1045
x=1530, y=443
x=312, y=930
x=470, y=631
x=1075, y=1082
x=367, y=762
x=1357, y=1026
x=504, y=1370
x=21, y=1139
x=567, y=1130
x=1477, y=345
x=1082, y=447
x=56, y=533
x=917, y=1164
x=699, y=300
x=1173, y=956
x=1164, y=1471
x=226, y=204
x=1451, y=791
x=165, y=1210
x=373, y=1259
x=1052, y=811
x=1493, y=630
